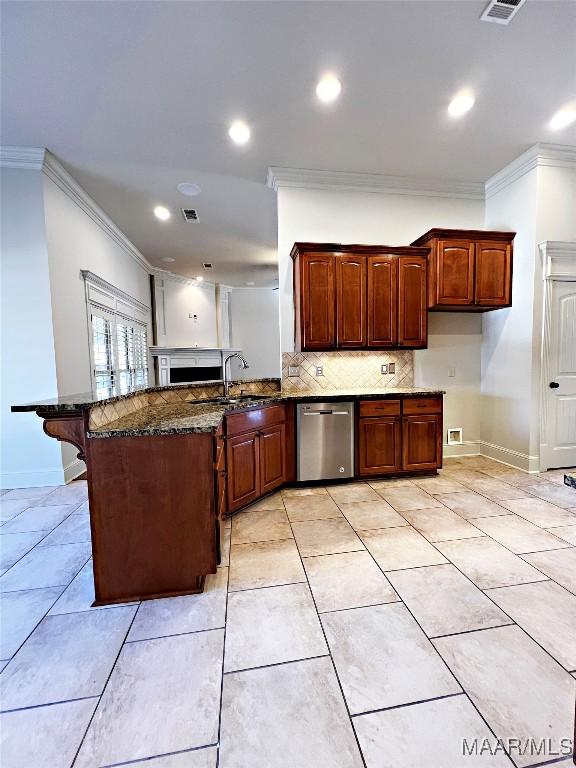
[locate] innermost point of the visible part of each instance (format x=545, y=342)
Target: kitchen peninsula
x=166, y=464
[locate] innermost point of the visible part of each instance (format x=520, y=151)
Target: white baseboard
x=33, y=479
x=72, y=470
x=466, y=448
x=509, y=457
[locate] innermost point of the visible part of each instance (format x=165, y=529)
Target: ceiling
x=134, y=97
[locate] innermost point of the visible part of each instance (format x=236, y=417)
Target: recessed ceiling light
x=188, y=188
x=461, y=104
x=162, y=213
x=563, y=118
x=168, y=259
x=328, y=89
x=239, y=132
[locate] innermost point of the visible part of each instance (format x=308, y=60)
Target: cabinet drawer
x=236, y=423
x=417, y=405
x=379, y=408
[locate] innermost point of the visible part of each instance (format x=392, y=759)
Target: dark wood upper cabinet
x=493, y=273
x=359, y=296
x=315, y=301
x=350, y=301
x=412, y=306
x=468, y=270
x=455, y=272
x=382, y=301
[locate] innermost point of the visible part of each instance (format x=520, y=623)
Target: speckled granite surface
x=570, y=479
x=189, y=417
x=84, y=400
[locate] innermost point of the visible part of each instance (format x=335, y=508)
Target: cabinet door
x=421, y=442
x=350, y=301
x=272, y=458
x=379, y=443
x=412, y=305
x=317, y=301
x=382, y=301
x=455, y=272
x=493, y=274
x=243, y=469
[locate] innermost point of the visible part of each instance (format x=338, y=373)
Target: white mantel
x=172, y=362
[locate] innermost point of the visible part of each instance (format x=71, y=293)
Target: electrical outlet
x=451, y=371
x=293, y=370
x=319, y=370
x=391, y=367
x=384, y=368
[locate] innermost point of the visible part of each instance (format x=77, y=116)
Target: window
x=118, y=338
x=119, y=352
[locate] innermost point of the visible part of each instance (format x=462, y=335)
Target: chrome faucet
x=243, y=364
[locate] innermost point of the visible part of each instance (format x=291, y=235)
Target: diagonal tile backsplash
x=344, y=370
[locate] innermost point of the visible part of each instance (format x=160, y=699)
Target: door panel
x=242, y=461
x=350, y=301
x=560, y=406
x=412, y=305
x=455, y=272
x=318, y=301
x=421, y=442
x=272, y=458
x=493, y=274
x=382, y=301
x=379, y=445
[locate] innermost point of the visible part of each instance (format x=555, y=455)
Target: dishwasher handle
x=326, y=413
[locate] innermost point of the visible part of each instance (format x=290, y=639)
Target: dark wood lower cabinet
x=152, y=515
x=399, y=436
x=262, y=459
x=379, y=445
x=272, y=458
x=422, y=442
x=243, y=469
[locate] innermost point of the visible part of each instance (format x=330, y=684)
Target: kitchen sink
x=240, y=400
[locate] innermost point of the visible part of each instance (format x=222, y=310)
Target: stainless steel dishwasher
x=325, y=440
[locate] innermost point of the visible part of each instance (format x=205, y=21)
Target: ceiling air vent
x=190, y=214
x=501, y=11
x=207, y=265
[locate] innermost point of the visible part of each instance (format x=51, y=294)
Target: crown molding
x=27, y=158
x=539, y=155
x=165, y=274
x=56, y=172
x=343, y=181
x=99, y=282
x=558, y=259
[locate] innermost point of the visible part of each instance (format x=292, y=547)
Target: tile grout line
x=112, y=668
x=48, y=704
x=411, y=703
x=222, y=673
x=142, y=760
x=329, y=650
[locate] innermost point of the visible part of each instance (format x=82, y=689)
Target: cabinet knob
x=553, y=385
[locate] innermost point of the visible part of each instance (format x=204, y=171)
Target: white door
x=561, y=384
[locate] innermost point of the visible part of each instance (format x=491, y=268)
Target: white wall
x=76, y=242
x=255, y=330
x=355, y=217
x=175, y=303
x=507, y=353
x=540, y=205
x=27, y=361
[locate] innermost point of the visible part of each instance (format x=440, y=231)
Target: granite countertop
x=82, y=401
x=570, y=479
x=190, y=417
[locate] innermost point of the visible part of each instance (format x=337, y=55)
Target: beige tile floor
x=367, y=624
